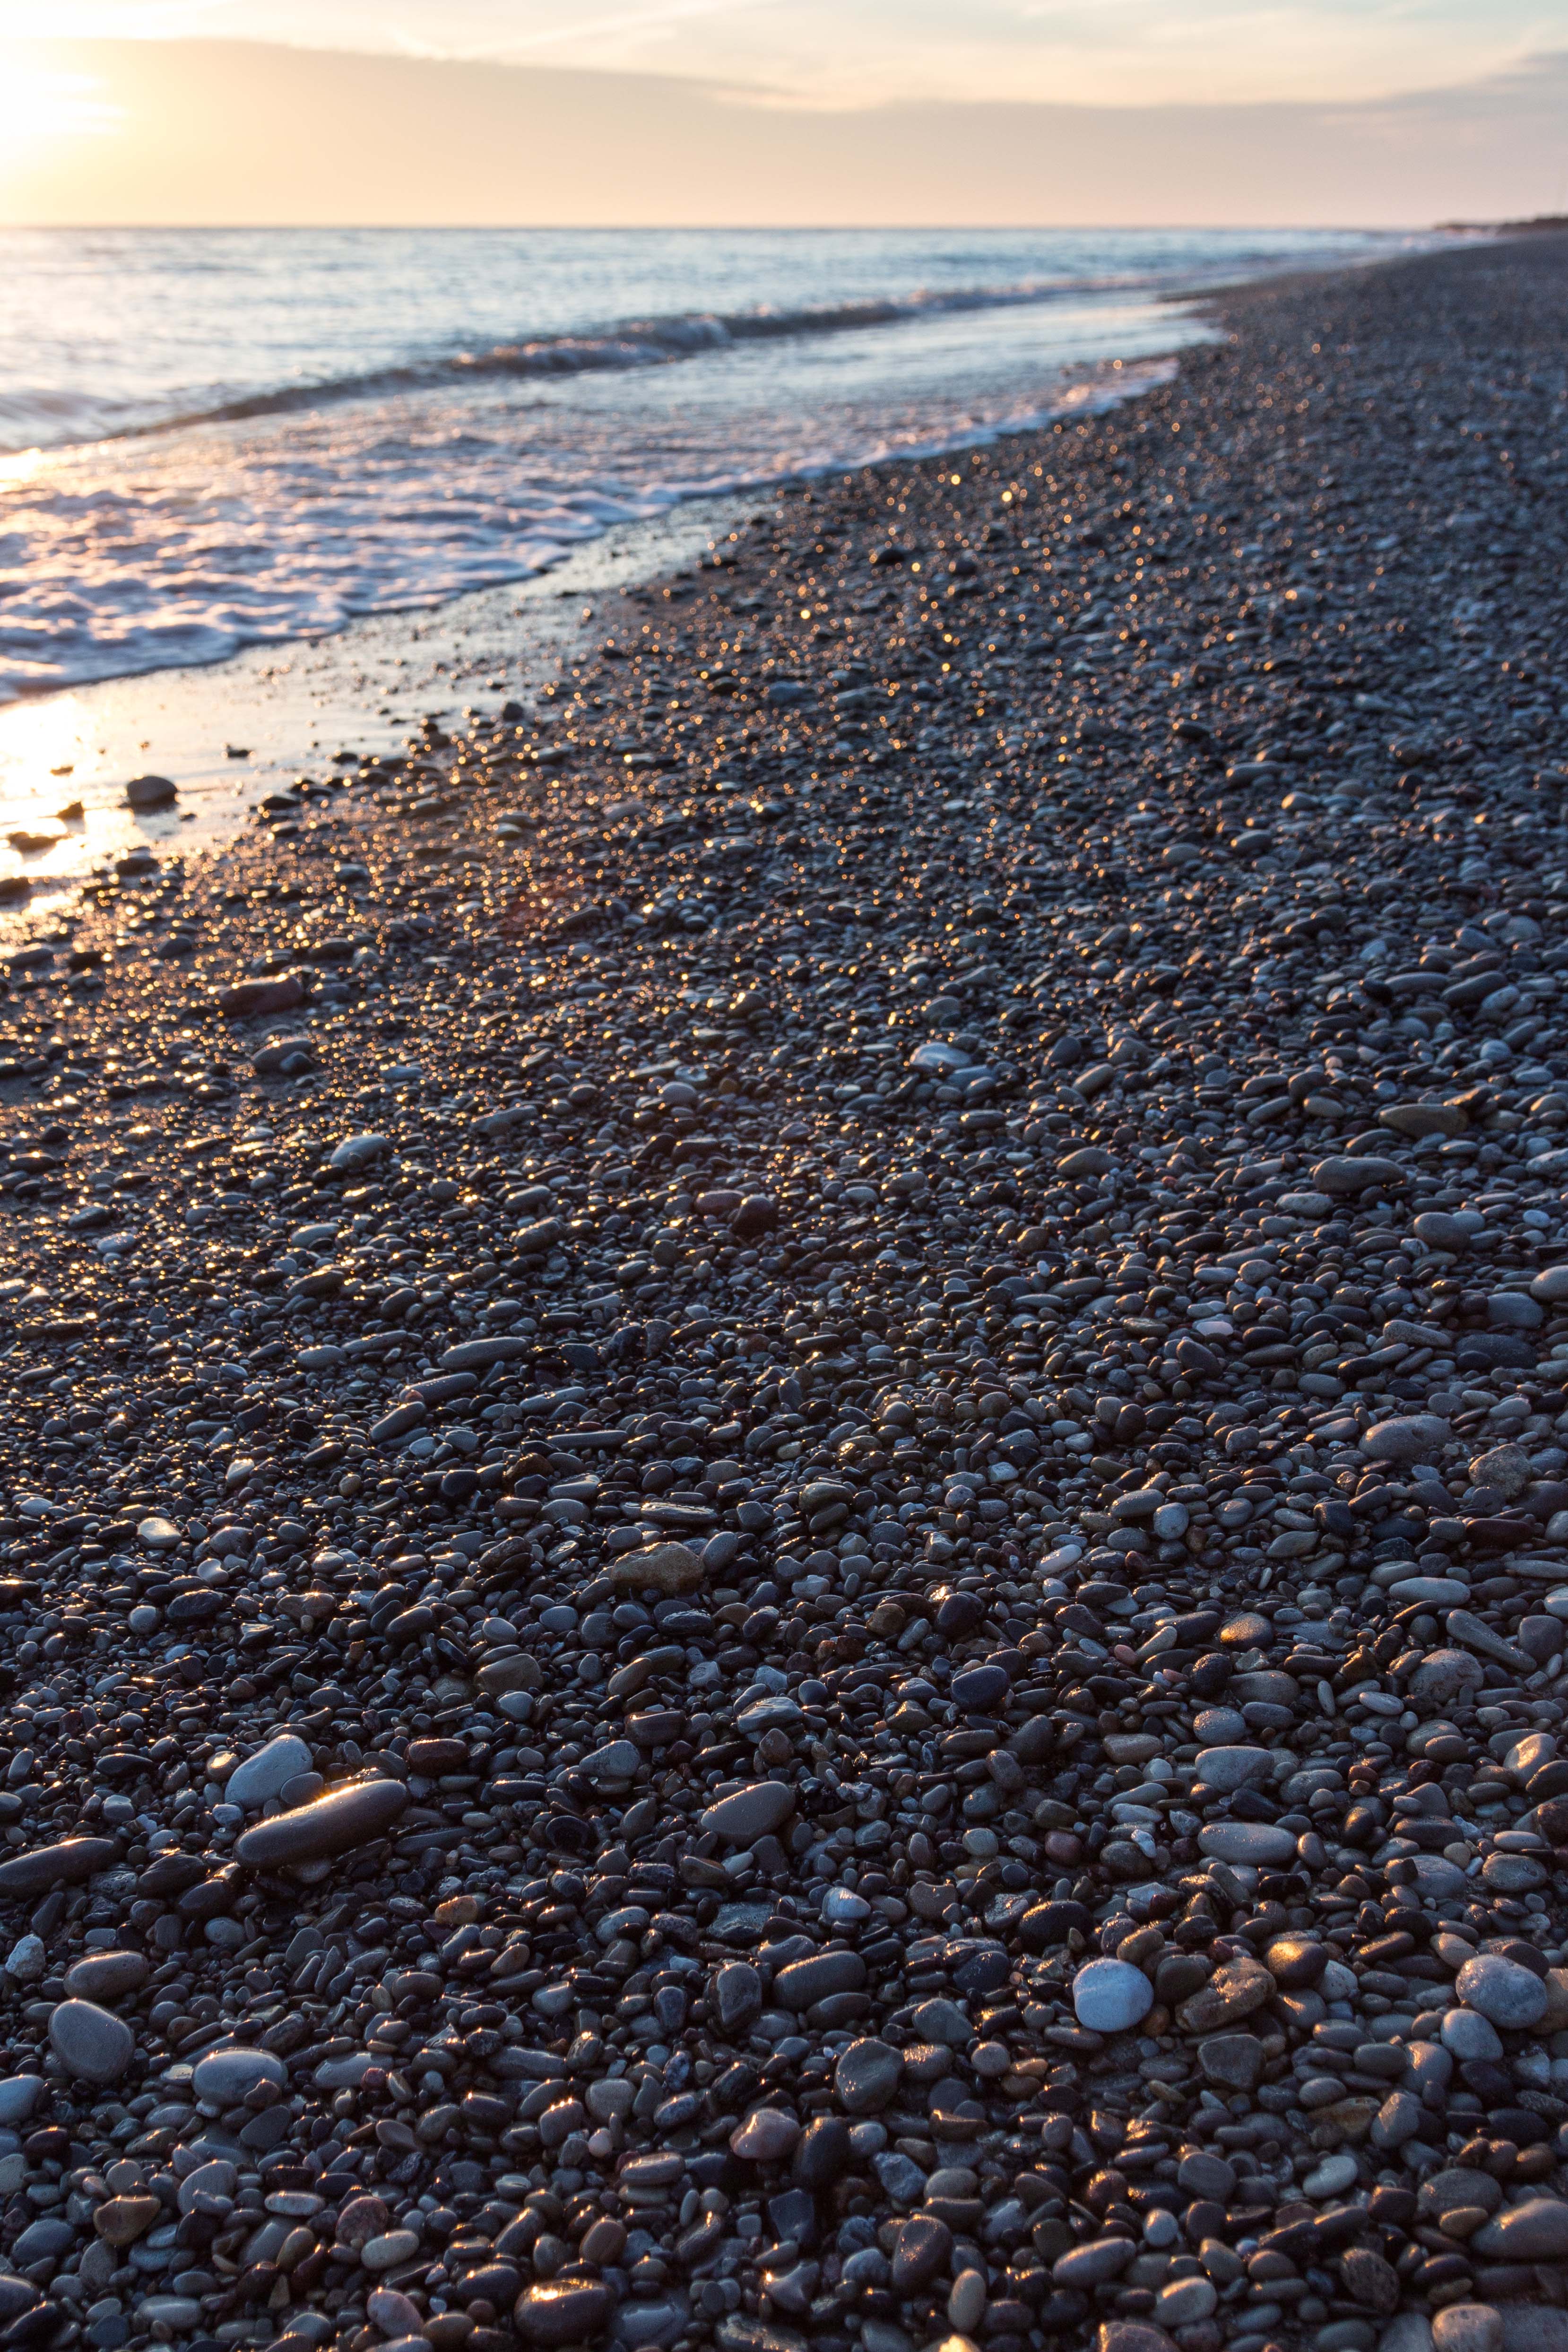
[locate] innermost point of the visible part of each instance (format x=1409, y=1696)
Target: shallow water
x=229, y=438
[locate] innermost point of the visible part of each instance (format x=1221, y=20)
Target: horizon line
x=754, y=228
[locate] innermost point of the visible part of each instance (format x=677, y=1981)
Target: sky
x=1027, y=111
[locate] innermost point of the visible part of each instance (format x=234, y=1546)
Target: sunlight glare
x=40, y=104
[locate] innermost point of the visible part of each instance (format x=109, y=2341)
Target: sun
x=40, y=105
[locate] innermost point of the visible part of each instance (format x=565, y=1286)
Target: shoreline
x=286, y=696
x=291, y=706
x=865, y=1332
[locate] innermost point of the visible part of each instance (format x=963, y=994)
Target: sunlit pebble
x=932, y=1396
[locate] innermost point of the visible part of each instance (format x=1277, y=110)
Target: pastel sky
x=861, y=52
x=956, y=112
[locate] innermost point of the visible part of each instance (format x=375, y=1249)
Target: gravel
x=787, y=1445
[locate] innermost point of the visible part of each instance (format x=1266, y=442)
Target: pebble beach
x=785, y=1459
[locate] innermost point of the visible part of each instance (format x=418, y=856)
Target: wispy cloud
x=204, y=130
x=854, y=52
x=638, y=22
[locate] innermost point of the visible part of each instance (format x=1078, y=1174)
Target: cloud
x=854, y=52
x=211, y=131
x=636, y=24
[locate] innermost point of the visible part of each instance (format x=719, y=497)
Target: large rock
x=107, y=1976
x=1511, y=1997
x=1406, y=1439
x=227, y=2076
x=65, y=1865
x=92, y=2044
x=333, y=1824
x=1260, y=1844
x=750, y=1812
x=804, y=1982
x=1535, y=2231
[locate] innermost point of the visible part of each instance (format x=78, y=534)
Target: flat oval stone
x=564, y=2311
x=1202, y=2173
x=669, y=1567
x=360, y=2220
x=269, y=1772
x=1345, y=1175
x=391, y=2249
x=1535, y=2231
x=1418, y=1118
x=1510, y=1310
x=1111, y=1996
x=224, y=2076
x=65, y=1865
x=1090, y=2265
x=1257, y=1842
x=92, y=2044
x=803, y=1982
x=1438, y=1591
x=105, y=1976
x=1407, y=1438
x=1457, y=2186
x=1506, y=1994
x=1246, y=1632
x=750, y=1812
x=334, y=1824
x=1091, y=1160
x=1494, y=1351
